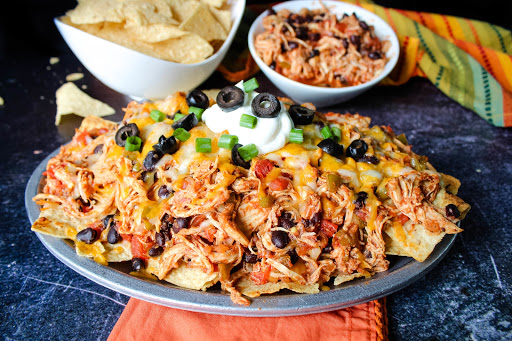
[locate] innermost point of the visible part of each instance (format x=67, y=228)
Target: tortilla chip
x=74, y=76
x=345, y=278
x=215, y=3
x=191, y=277
x=411, y=240
x=223, y=16
x=54, y=60
x=95, y=122
x=212, y=93
x=148, y=12
x=444, y=199
x=155, y=33
x=54, y=222
x=450, y=183
x=203, y=23
x=179, y=50
x=96, y=11
x=2, y=102
x=247, y=287
x=119, y=252
x=72, y=100
x=182, y=9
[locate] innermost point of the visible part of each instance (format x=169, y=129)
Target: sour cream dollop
x=270, y=134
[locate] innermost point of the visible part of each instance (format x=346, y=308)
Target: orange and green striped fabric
x=469, y=60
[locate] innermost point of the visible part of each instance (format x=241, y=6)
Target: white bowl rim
x=395, y=46
x=234, y=28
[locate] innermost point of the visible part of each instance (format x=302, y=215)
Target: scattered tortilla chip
x=411, y=240
x=74, y=76
x=247, y=287
x=2, y=102
x=204, y=24
x=72, y=100
x=54, y=60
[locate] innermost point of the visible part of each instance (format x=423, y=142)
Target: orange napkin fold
x=146, y=321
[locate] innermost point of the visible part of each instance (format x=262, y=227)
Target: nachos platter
x=185, y=201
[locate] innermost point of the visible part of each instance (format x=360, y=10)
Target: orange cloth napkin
x=146, y=321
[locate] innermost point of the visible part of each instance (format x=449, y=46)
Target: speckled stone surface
x=467, y=296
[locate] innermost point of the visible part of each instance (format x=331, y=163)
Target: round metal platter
x=402, y=272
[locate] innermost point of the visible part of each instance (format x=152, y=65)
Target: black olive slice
x=188, y=122
x=237, y=159
x=150, y=160
x=357, y=149
x=198, y=99
x=266, y=105
x=126, y=131
x=167, y=145
x=230, y=98
x=301, y=115
x=331, y=147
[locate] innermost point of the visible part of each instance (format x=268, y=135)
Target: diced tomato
x=82, y=137
x=328, y=228
x=138, y=248
x=98, y=226
x=279, y=184
x=260, y=273
x=263, y=167
x=402, y=218
x=127, y=237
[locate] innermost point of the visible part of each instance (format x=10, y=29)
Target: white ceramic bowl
x=138, y=75
x=322, y=96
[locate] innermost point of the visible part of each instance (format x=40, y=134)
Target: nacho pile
x=296, y=219
x=181, y=31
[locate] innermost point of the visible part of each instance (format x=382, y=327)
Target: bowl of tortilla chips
x=149, y=48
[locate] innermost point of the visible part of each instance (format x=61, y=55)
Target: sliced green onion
x=178, y=116
x=196, y=111
x=157, y=115
x=326, y=132
x=181, y=134
x=133, y=144
x=227, y=141
x=248, y=121
x=248, y=152
x=402, y=139
x=250, y=85
x=296, y=136
x=337, y=133
x=203, y=145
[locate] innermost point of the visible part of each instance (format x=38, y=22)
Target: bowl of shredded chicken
x=329, y=47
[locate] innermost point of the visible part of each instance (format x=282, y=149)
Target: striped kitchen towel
x=469, y=60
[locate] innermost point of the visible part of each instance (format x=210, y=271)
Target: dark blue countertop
x=467, y=296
